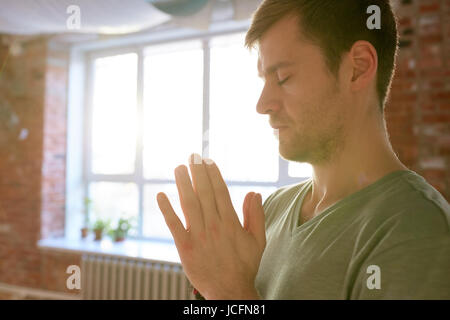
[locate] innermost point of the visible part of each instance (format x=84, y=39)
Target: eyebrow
x=272, y=69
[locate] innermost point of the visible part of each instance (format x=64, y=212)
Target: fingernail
x=159, y=197
x=195, y=158
x=208, y=161
x=178, y=170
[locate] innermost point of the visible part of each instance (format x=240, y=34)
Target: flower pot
x=119, y=239
x=98, y=234
x=84, y=232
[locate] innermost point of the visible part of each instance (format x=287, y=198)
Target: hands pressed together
x=220, y=257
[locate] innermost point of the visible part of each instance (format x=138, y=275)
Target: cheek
x=306, y=87
x=301, y=96
x=311, y=105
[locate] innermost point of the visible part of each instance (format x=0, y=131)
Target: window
x=152, y=107
x=114, y=115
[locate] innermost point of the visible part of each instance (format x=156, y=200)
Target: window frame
x=138, y=177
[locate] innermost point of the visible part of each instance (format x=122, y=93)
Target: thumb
x=257, y=221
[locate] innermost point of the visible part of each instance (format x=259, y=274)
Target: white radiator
x=111, y=278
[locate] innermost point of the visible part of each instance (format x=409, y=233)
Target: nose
x=268, y=101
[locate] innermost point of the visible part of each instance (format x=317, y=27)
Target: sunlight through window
x=114, y=114
x=242, y=141
x=173, y=107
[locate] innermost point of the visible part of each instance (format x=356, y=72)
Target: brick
x=444, y=106
x=435, y=163
x=434, y=118
x=429, y=7
x=441, y=95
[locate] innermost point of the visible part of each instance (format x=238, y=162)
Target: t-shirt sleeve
x=413, y=269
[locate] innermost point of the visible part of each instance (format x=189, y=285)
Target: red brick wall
x=54, y=144
x=33, y=88
x=22, y=83
x=418, y=113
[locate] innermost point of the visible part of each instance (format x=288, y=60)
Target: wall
x=33, y=88
x=418, y=113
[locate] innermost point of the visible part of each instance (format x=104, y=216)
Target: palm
x=218, y=254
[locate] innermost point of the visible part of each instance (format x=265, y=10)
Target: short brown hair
x=335, y=25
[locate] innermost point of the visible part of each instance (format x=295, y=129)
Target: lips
x=277, y=126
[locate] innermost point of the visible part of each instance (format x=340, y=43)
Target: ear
x=364, y=62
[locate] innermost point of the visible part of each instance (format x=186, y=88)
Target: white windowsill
x=138, y=249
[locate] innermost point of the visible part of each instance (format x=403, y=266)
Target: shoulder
x=424, y=196
x=405, y=231
x=408, y=209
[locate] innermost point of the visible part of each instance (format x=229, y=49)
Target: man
x=364, y=226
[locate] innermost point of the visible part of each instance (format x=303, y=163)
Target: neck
x=365, y=157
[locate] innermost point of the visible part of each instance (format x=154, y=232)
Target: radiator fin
x=112, y=278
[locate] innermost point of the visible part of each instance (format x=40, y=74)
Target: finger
x=204, y=190
x=173, y=222
x=221, y=193
x=246, y=209
x=188, y=199
x=257, y=221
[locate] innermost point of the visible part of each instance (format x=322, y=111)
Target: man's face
x=300, y=95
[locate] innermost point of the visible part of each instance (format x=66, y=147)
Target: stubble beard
x=313, y=150
x=316, y=143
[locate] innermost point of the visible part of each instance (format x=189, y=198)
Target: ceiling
x=113, y=17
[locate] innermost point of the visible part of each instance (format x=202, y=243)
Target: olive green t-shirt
x=389, y=240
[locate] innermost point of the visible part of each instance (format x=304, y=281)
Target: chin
x=290, y=153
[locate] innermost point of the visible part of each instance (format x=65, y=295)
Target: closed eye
x=280, y=83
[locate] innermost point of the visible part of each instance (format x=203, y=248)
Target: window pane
x=173, y=108
x=154, y=225
x=113, y=200
x=241, y=140
x=238, y=193
x=114, y=114
x=299, y=170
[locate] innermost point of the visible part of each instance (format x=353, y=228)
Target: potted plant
x=121, y=231
x=99, y=226
x=85, y=229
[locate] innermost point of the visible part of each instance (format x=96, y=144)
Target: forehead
x=281, y=42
